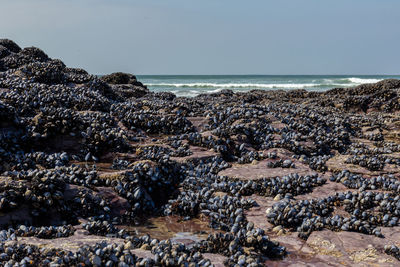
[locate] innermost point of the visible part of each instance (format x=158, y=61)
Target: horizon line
x=263, y=74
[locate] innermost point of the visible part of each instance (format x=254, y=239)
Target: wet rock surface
x=99, y=171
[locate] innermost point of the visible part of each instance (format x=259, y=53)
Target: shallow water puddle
x=172, y=227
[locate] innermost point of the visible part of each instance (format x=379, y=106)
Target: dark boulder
x=129, y=90
x=388, y=84
x=125, y=85
x=365, y=89
x=13, y=61
x=121, y=78
x=76, y=71
x=104, y=88
x=164, y=95
x=4, y=52
x=10, y=45
x=35, y=53
x=335, y=91
x=50, y=72
x=372, y=88
x=76, y=75
x=23, y=57
x=297, y=93
x=222, y=93
x=26, y=56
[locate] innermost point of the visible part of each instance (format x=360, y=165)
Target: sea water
x=192, y=85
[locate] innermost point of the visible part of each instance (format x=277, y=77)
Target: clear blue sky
x=211, y=36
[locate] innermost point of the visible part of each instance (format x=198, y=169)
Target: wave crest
x=187, y=87
x=236, y=85
x=361, y=80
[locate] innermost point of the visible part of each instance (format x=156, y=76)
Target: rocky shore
x=100, y=171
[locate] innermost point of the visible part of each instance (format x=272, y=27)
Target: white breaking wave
x=191, y=88
x=215, y=90
x=361, y=80
x=237, y=85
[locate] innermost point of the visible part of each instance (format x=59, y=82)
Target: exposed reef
x=97, y=171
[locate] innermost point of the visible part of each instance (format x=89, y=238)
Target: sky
x=211, y=36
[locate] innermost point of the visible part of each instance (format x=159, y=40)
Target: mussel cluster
x=371, y=163
x=103, y=228
x=367, y=211
x=76, y=147
x=45, y=232
x=318, y=163
x=101, y=254
x=290, y=185
x=150, y=122
x=393, y=250
x=355, y=181
x=120, y=164
x=232, y=244
x=281, y=164
x=146, y=187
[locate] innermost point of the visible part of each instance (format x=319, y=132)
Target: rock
x=4, y=52
x=237, y=174
x=35, y=53
x=48, y=72
x=121, y=78
x=128, y=245
x=129, y=90
x=145, y=247
x=96, y=261
x=10, y=45
x=286, y=163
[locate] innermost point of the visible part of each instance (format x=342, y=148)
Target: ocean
x=192, y=85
